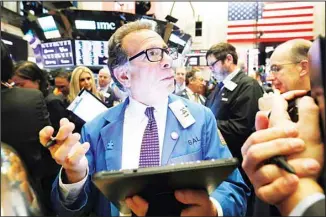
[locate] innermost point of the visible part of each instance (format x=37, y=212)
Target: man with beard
x=234, y=101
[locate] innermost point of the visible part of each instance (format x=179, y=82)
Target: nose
x=166, y=61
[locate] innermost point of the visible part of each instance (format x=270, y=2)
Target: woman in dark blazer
x=28, y=75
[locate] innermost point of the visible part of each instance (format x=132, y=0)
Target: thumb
x=262, y=121
x=279, y=114
x=194, y=197
x=309, y=115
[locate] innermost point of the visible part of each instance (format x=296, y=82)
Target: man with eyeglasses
x=234, y=101
x=289, y=70
x=145, y=130
x=289, y=66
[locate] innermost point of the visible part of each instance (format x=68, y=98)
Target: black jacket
x=235, y=110
x=23, y=115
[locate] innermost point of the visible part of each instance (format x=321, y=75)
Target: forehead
x=60, y=80
x=140, y=40
x=180, y=70
x=17, y=77
x=199, y=74
x=85, y=75
x=103, y=73
x=280, y=55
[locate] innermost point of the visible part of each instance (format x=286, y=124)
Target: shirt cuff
x=304, y=204
x=70, y=192
x=217, y=206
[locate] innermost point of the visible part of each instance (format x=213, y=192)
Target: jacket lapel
x=112, y=135
x=172, y=134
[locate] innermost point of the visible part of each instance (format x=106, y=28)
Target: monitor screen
x=49, y=27
x=57, y=54
x=91, y=53
x=18, y=47
x=179, y=40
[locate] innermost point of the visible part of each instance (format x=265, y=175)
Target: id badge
x=182, y=113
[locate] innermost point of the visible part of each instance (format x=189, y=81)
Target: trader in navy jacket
x=140, y=63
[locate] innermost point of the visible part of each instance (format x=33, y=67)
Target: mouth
x=168, y=78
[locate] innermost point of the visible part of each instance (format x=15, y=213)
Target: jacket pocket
x=186, y=158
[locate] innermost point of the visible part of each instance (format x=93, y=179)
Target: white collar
x=138, y=108
x=189, y=91
x=232, y=75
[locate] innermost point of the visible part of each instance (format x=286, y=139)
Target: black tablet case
x=157, y=184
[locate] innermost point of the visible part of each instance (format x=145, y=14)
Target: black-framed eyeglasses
x=156, y=54
x=277, y=67
x=212, y=65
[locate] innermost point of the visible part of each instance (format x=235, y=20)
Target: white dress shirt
x=179, y=88
x=192, y=96
x=132, y=139
x=131, y=145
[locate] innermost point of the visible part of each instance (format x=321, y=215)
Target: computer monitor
x=49, y=27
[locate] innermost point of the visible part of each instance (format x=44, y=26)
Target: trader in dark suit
x=297, y=194
x=195, y=87
x=104, y=81
x=23, y=115
x=234, y=101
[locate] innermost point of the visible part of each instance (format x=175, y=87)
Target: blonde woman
x=81, y=77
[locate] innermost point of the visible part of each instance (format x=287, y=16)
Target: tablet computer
x=151, y=181
x=87, y=106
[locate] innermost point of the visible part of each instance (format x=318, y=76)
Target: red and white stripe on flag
x=276, y=22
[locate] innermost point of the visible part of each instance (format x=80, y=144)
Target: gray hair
x=298, y=49
x=117, y=55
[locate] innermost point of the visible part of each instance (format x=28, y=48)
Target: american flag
x=270, y=21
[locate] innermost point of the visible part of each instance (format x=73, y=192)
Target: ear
x=229, y=57
x=304, y=68
x=122, y=75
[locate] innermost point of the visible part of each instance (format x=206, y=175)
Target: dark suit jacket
x=109, y=100
x=57, y=109
x=23, y=115
x=235, y=110
x=316, y=209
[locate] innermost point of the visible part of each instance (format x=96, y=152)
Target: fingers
x=62, y=152
x=261, y=121
x=65, y=130
x=194, y=197
x=279, y=112
x=267, y=135
x=257, y=154
x=45, y=134
x=309, y=114
x=79, y=153
x=278, y=190
x=63, y=121
x=199, y=200
x=293, y=94
x=138, y=205
x=304, y=167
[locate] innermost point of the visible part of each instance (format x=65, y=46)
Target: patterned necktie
x=150, y=149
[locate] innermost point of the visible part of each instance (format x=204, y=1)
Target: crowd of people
x=235, y=118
